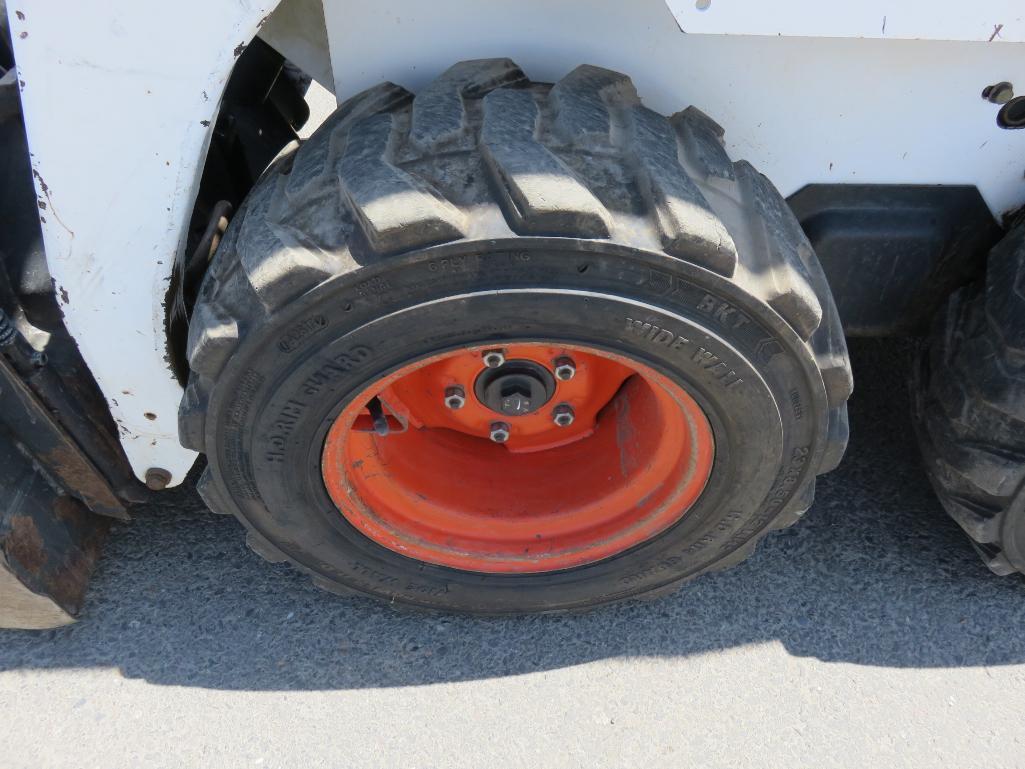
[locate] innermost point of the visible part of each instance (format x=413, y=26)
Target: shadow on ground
x=875, y=575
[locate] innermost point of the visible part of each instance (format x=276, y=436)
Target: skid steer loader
x=550, y=312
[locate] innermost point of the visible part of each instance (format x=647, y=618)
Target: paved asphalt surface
x=866, y=635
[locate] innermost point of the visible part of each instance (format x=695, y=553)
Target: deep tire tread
x=539, y=193
x=320, y=213
x=969, y=406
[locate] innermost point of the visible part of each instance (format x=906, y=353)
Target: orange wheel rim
x=420, y=474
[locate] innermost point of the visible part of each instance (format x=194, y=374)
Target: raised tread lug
x=837, y=434
x=314, y=161
x=837, y=378
x=701, y=138
x=997, y=562
x=982, y=525
x=688, y=227
x=213, y=335
x=192, y=418
x=543, y=196
x=395, y=211
x=777, y=266
x=287, y=273
x=581, y=100
x=310, y=213
x=439, y=112
x=277, y=271
x=795, y=509
x=1005, y=296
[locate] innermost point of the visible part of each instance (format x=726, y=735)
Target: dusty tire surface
x=968, y=397
x=489, y=208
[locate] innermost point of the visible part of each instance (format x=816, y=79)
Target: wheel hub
x=556, y=457
x=515, y=388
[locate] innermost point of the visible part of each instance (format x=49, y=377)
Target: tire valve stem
x=377, y=414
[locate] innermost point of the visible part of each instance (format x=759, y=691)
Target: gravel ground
x=867, y=635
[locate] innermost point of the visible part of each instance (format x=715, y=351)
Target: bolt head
x=565, y=369
x=493, y=358
x=157, y=478
x=563, y=415
x=455, y=397
x=516, y=404
x=499, y=432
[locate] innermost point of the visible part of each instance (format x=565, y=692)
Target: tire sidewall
x=284, y=386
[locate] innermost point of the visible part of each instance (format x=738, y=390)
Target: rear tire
x=491, y=209
x=969, y=407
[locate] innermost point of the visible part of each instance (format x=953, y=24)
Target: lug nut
x=493, y=358
x=455, y=397
x=563, y=415
x=565, y=368
x=499, y=432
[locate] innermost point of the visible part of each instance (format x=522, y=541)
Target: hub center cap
x=516, y=388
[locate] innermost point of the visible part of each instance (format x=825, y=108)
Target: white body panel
x=118, y=93
x=979, y=20
x=118, y=96
x=801, y=109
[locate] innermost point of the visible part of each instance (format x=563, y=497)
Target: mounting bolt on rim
x=500, y=432
x=493, y=358
x=563, y=415
x=565, y=368
x=455, y=397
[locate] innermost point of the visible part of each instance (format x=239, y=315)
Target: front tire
x=491, y=211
